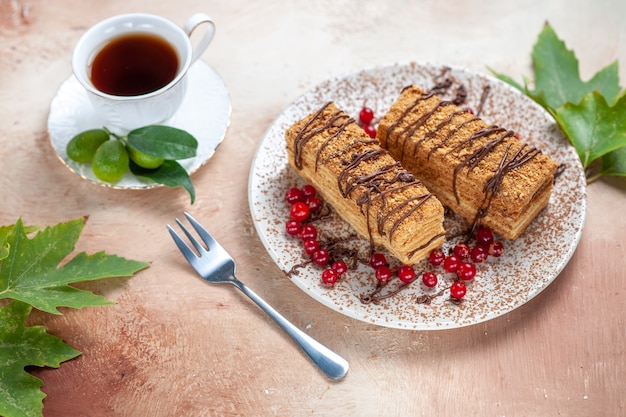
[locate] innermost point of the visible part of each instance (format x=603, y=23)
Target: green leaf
x=594, y=127
x=21, y=346
x=4, y=232
x=31, y=272
x=614, y=163
x=170, y=174
x=163, y=141
x=557, y=77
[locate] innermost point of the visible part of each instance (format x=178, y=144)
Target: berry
x=309, y=191
x=329, y=277
x=469, y=110
x=111, y=161
x=340, y=267
x=293, y=227
x=406, y=273
x=293, y=195
x=496, y=248
x=436, y=257
x=311, y=246
x=383, y=273
x=370, y=130
x=479, y=254
x=466, y=271
x=377, y=260
x=321, y=257
x=458, y=290
x=308, y=232
x=429, y=279
x=462, y=250
x=366, y=115
x=484, y=236
x=299, y=211
x=451, y=263
x=143, y=159
x=82, y=147
x=313, y=202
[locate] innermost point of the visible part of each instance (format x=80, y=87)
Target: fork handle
x=328, y=361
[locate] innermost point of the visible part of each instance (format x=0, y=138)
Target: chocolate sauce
x=483, y=99
x=374, y=187
x=495, y=136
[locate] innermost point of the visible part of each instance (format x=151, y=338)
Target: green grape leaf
x=591, y=114
x=614, y=163
x=5, y=247
x=594, y=127
x=21, y=346
x=31, y=272
x=163, y=141
x=170, y=174
x=557, y=76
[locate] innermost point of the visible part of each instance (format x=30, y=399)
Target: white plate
x=204, y=113
x=528, y=264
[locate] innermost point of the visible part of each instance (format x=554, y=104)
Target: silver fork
x=217, y=266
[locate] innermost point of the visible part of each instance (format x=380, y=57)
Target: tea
x=134, y=64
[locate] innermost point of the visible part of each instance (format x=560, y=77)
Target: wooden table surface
x=173, y=346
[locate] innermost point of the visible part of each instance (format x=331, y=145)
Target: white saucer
x=204, y=113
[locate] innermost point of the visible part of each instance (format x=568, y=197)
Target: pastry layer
x=367, y=187
x=480, y=171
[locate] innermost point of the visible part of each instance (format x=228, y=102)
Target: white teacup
x=127, y=112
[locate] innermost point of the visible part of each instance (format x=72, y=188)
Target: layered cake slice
x=366, y=186
x=480, y=171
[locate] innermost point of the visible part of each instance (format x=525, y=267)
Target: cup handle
x=194, y=22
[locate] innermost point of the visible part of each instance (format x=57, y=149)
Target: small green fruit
x=143, y=159
x=83, y=146
x=110, y=162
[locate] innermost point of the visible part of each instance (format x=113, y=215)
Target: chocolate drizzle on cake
x=376, y=188
x=472, y=150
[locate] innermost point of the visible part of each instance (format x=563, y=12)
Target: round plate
x=528, y=265
x=204, y=113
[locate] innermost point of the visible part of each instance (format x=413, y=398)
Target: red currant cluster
x=366, y=119
x=383, y=273
x=304, y=202
x=463, y=260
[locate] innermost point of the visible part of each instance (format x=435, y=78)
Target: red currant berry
x=329, y=277
x=429, y=279
x=458, y=290
x=299, y=211
x=314, y=203
x=469, y=110
x=451, y=263
x=406, y=273
x=309, y=191
x=436, y=257
x=479, y=254
x=321, y=257
x=308, y=232
x=378, y=260
x=466, y=271
x=484, y=236
x=311, y=246
x=496, y=248
x=340, y=267
x=293, y=195
x=370, y=130
x=462, y=250
x=366, y=115
x=383, y=273
x=293, y=227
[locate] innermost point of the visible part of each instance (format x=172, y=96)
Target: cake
x=480, y=171
x=365, y=185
